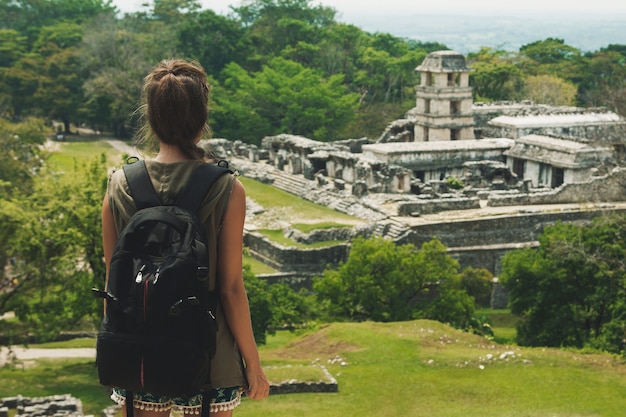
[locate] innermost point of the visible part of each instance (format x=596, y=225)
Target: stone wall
x=607, y=188
x=497, y=231
x=296, y=280
x=52, y=406
x=429, y=206
x=292, y=386
x=484, y=112
x=483, y=242
x=309, y=260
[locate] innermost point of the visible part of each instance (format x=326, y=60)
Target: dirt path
x=23, y=354
x=122, y=146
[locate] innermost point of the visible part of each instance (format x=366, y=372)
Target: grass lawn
x=256, y=266
x=279, y=237
x=424, y=368
x=299, y=208
x=79, y=149
x=417, y=368
x=503, y=324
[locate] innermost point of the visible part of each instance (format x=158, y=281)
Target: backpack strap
x=206, y=404
x=198, y=186
x=130, y=404
x=191, y=196
x=141, y=188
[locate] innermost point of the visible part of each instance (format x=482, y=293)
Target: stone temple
x=483, y=178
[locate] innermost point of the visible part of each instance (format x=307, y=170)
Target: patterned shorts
x=222, y=399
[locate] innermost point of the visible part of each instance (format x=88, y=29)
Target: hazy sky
x=346, y=8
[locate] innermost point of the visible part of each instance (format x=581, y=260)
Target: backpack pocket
x=162, y=366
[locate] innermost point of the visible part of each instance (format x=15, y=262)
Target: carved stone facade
x=551, y=162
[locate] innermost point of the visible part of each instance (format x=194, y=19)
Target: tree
x=549, y=51
x=478, y=283
x=57, y=249
x=20, y=160
x=550, y=90
x=381, y=281
x=273, y=307
x=339, y=50
x=494, y=77
x=59, y=94
x=21, y=156
x=12, y=47
x=602, y=80
x=570, y=291
x=22, y=82
x=285, y=97
x=223, y=41
x=29, y=16
x=273, y=25
x=114, y=60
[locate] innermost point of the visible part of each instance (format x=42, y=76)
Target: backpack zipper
x=146, y=282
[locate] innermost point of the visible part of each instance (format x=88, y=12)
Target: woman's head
x=176, y=95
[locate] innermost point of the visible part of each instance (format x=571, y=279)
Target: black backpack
x=158, y=332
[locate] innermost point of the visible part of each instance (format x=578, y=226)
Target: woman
x=176, y=112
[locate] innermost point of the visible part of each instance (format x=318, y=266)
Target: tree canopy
x=382, y=281
x=81, y=62
x=571, y=290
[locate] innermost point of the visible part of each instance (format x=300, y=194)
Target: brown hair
x=176, y=105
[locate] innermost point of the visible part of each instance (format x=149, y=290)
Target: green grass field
x=417, y=368
x=81, y=149
x=268, y=196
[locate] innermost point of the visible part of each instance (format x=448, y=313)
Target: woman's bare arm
x=233, y=293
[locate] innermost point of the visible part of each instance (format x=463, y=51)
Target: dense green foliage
x=571, y=291
x=53, y=237
x=552, y=72
x=277, y=66
x=382, y=281
x=275, y=306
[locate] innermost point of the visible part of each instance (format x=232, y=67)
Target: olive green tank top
x=168, y=180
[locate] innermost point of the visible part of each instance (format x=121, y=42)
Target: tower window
x=455, y=107
x=454, y=79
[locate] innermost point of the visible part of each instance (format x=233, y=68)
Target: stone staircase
x=343, y=205
x=343, y=202
x=391, y=228
x=294, y=184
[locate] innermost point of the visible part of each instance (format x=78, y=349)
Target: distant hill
x=467, y=33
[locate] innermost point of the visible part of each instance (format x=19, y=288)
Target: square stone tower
x=443, y=108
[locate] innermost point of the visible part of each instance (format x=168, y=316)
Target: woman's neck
x=168, y=154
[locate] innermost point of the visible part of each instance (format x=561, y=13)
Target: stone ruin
x=447, y=155
x=51, y=406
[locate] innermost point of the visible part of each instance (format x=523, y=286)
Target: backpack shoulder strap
x=141, y=188
x=199, y=184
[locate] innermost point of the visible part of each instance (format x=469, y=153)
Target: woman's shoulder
x=117, y=180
